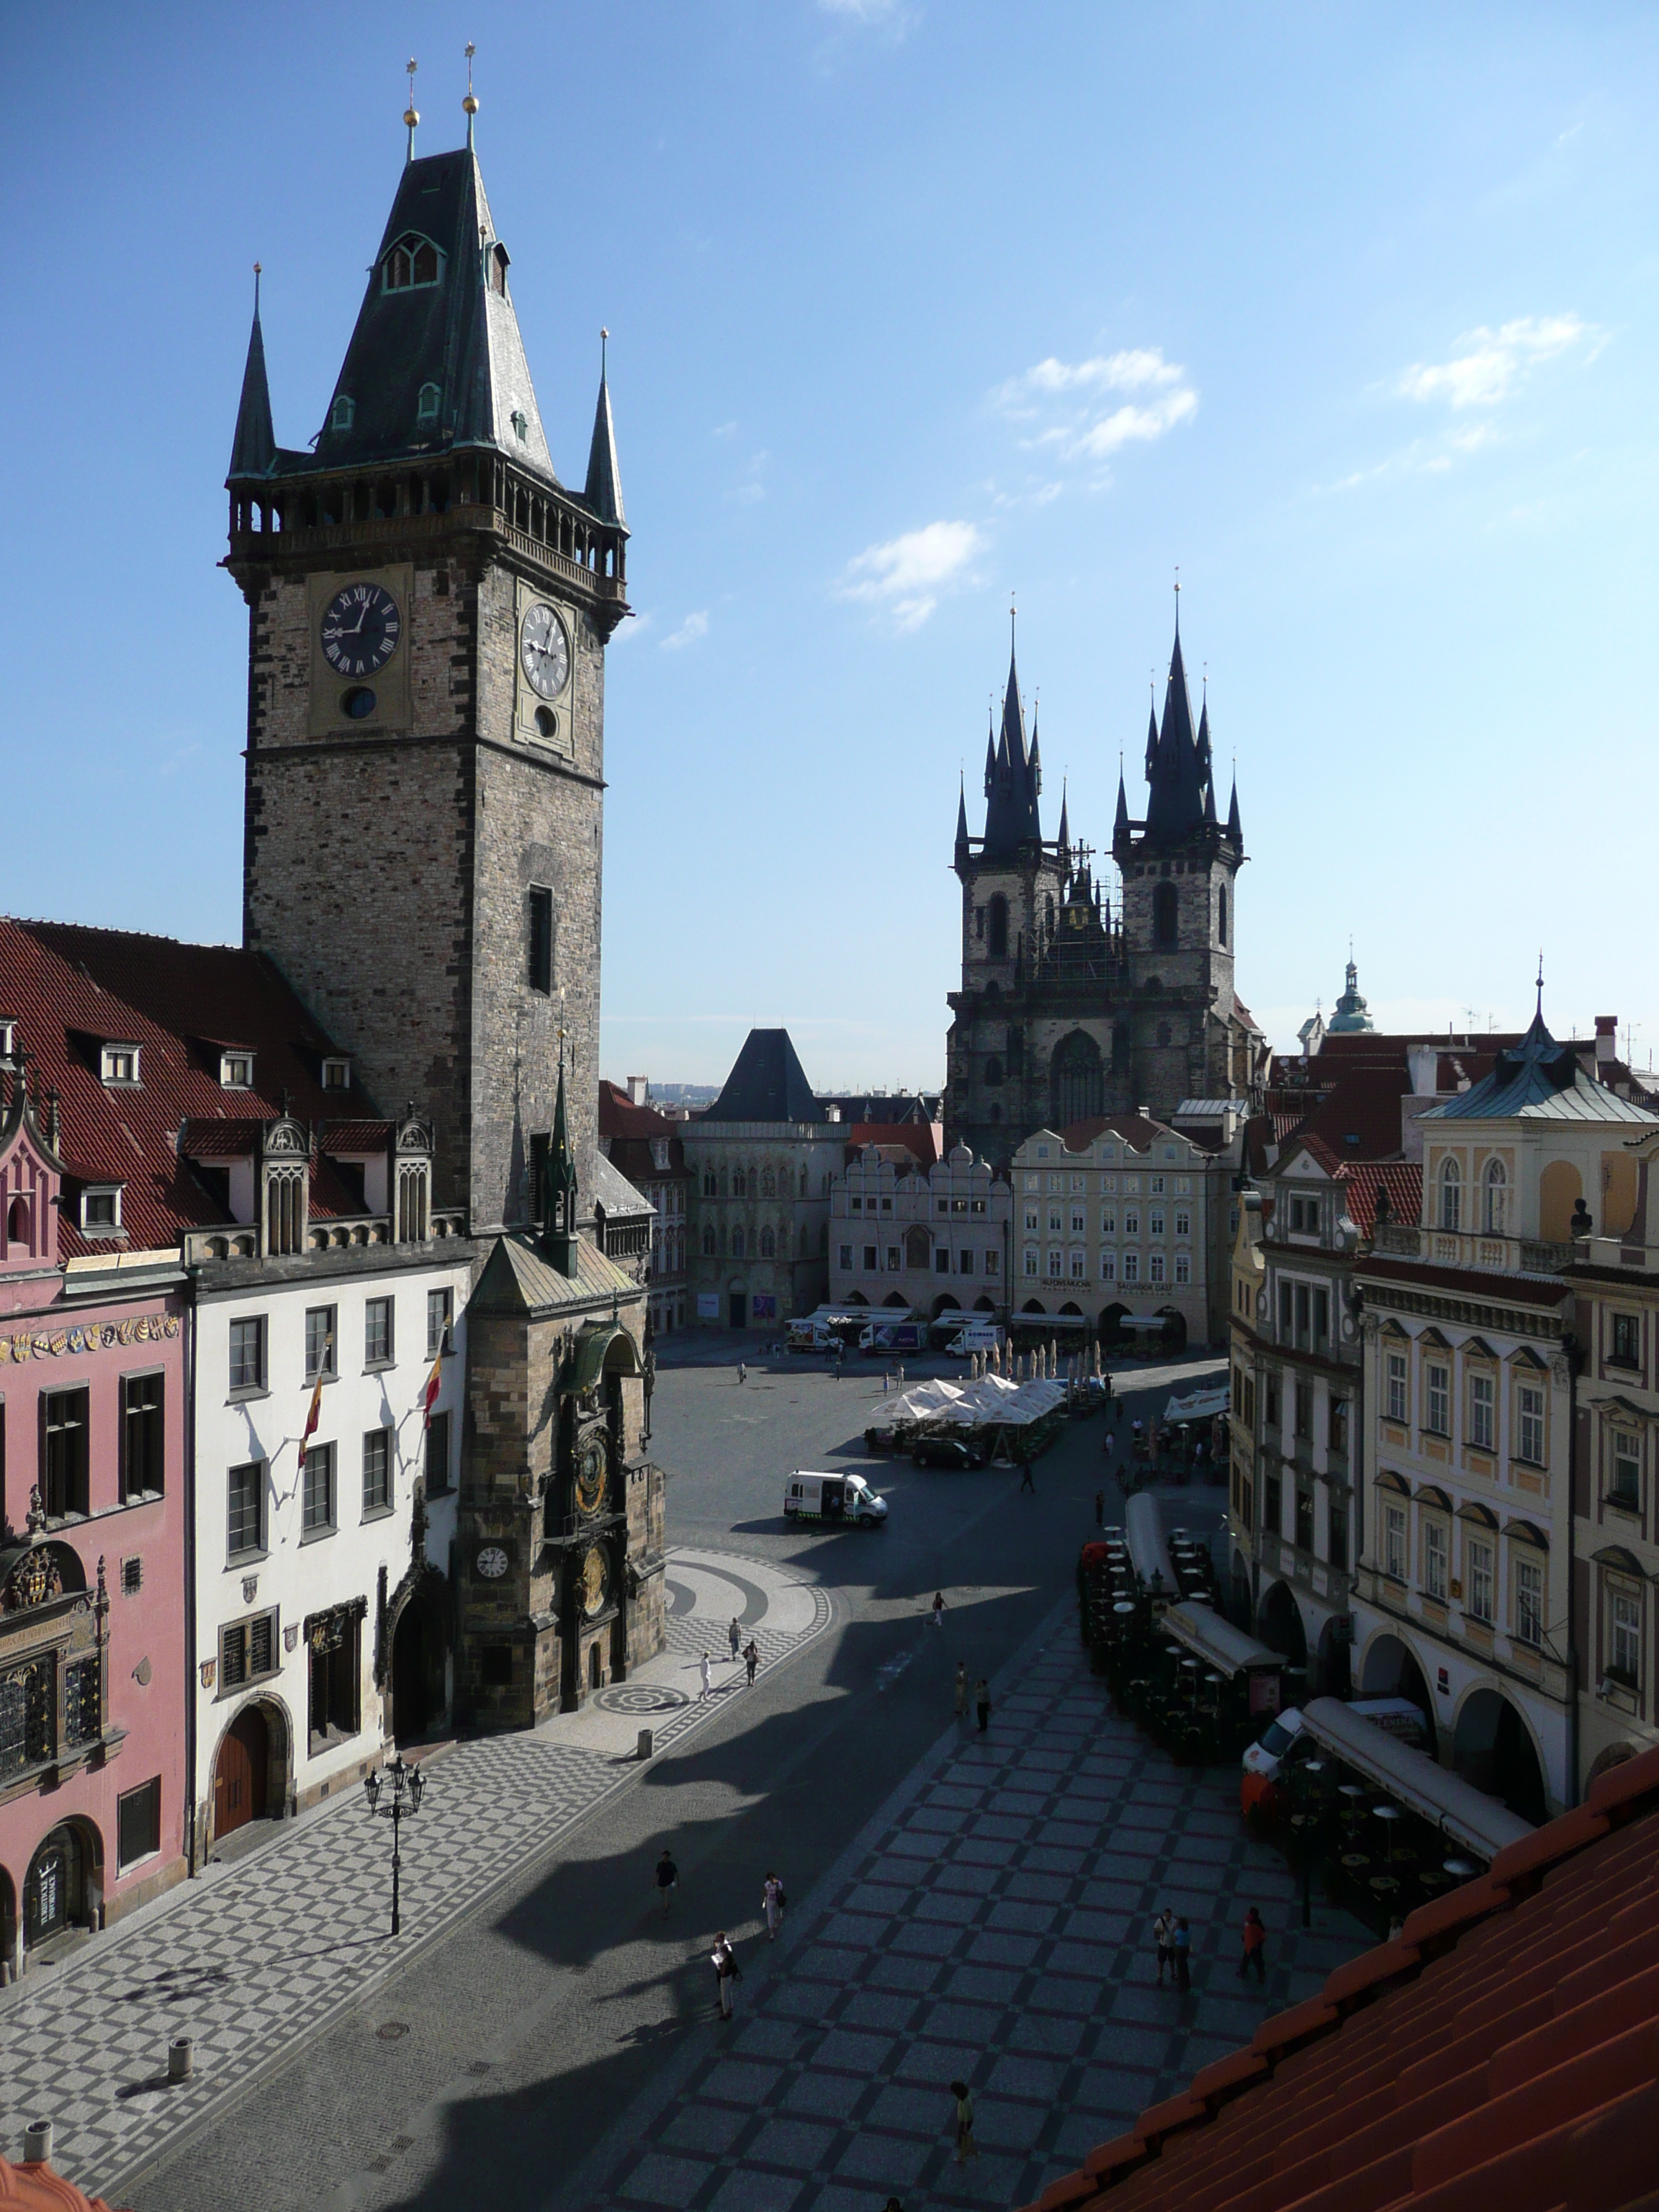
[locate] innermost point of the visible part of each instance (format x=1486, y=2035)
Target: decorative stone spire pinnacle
x=253, y=448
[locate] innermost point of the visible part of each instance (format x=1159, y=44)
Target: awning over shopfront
x=1228, y=1650
x=1479, y=1823
x=1197, y=1406
x=1143, y=1530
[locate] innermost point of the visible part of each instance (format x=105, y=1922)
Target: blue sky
x=1347, y=312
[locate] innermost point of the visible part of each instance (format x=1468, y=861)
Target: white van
x=976, y=1336
x=843, y=1498
x=1398, y=1716
x=810, y=1335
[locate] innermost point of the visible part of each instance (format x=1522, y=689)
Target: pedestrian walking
x=742, y=1372
x=1252, y=1960
x=733, y=1635
x=967, y=2149
x=962, y=1690
x=1025, y=1481
x=773, y=1901
x=667, y=1878
x=727, y=1971
x=702, y=1670
x=901, y=1375
x=885, y=1379
x=1164, y=1936
x=1182, y=1945
x=1100, y=1504
x=938, y=1611
x=752, y=1659
x=983, y=1702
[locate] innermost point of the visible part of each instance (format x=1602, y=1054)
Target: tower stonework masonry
x=429, y=608
x=1068, y=1013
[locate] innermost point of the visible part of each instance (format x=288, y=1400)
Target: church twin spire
x=1180, y=770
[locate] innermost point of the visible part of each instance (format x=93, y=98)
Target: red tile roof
x=1496, y=1286
x=920, y=1138
x=1135, y=1129
x=620, y=1117
x=1401, y=1179
x=69, y=989
x=1501, y=2055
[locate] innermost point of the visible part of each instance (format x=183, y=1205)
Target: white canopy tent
x=1228, y=1650
x=1143, y=1529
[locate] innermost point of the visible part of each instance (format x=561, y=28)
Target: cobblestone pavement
x=994, y=1928
x=254, y=1957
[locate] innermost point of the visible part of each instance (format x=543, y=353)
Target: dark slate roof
x=962, y=824
x=253, y=448
x=602, y=492
x=518, y=1277
x=1537, y=1076
x=767, y=1084
x=459, y=334
x=1012, y=818
x=1235, y=828
x=1177, y=776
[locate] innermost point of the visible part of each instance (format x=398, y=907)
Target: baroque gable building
x=1068, y=1010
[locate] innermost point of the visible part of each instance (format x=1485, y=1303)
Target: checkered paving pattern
x=255, y=1959
x=998, y=1933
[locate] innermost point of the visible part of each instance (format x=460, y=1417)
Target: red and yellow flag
x=429, y=1395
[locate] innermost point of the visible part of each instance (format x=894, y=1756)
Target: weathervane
x=411, y=113
x=470, y=104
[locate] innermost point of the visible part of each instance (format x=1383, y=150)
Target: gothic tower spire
x=604, y=489
x=253, y=448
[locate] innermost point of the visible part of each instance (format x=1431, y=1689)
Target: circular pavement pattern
x=640, y=1697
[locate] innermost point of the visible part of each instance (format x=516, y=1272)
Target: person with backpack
x=752, y=1659
x=773, y=1901
x=727, y=1971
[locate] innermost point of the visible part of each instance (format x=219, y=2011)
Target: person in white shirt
x=772, y=1904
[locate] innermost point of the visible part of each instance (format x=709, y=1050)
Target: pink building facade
x=93, y=1422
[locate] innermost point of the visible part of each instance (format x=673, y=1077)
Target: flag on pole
x=429, y=1395
x=316, y=1412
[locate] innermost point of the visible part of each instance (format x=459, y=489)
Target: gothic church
x=1069, y=1011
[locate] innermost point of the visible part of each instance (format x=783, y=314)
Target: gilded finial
x=411, y=113
x=257, y=273
x=470, y=104
x=604, y=340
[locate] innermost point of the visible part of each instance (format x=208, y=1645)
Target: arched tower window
x=1164, y=915
x=1452, y=1194
x=769, y=1244
x=1077, y=1084
x=739, y=1183
x=997, y=931
x=1221, y=914
x=994, y=1071
x=737, y=1244
x=1497, y=1198
x=413, y=260
x=709, y=1240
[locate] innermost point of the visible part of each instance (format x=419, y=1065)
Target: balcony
x=240, y=1240
x=1473, y=1248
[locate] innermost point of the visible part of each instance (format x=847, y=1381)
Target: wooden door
x=238, y=1776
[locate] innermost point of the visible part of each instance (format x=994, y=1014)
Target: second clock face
x=590, y=1476
x=544, y=651
x=360, y=629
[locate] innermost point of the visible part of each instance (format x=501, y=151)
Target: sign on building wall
x=764, y=1307
x=708, y=1305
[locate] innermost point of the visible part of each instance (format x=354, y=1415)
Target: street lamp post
x=392, y=1790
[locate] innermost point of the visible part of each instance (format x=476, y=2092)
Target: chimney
x=1606, y=1040
x=637, y=1087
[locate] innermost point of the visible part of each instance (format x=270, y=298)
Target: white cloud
x=906, y=575
x=693, y=627
x=1070, y=405
x=884, y=12
x=751, y=487
x=1485, y=366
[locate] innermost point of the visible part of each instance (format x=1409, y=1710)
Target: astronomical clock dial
x=361, y=629
x=590, y=1476
x=543, y=651
x=492, y=1563
x=595, y=1582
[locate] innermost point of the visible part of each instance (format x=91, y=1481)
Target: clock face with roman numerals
x=360, y=629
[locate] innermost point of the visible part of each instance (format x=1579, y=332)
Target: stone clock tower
x=429, y=611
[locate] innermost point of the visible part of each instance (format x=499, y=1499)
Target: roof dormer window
x=119, y=1064
x=426, y=411
x=236, y=1071
x=101, y=1210
x=342, y=415
x=497, y=266
x=336, y=1075
x=7, y=1040
x=521, y=424
x=412, y=262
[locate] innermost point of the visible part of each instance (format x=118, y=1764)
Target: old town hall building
x=428, y=607
x=1069, y=1012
